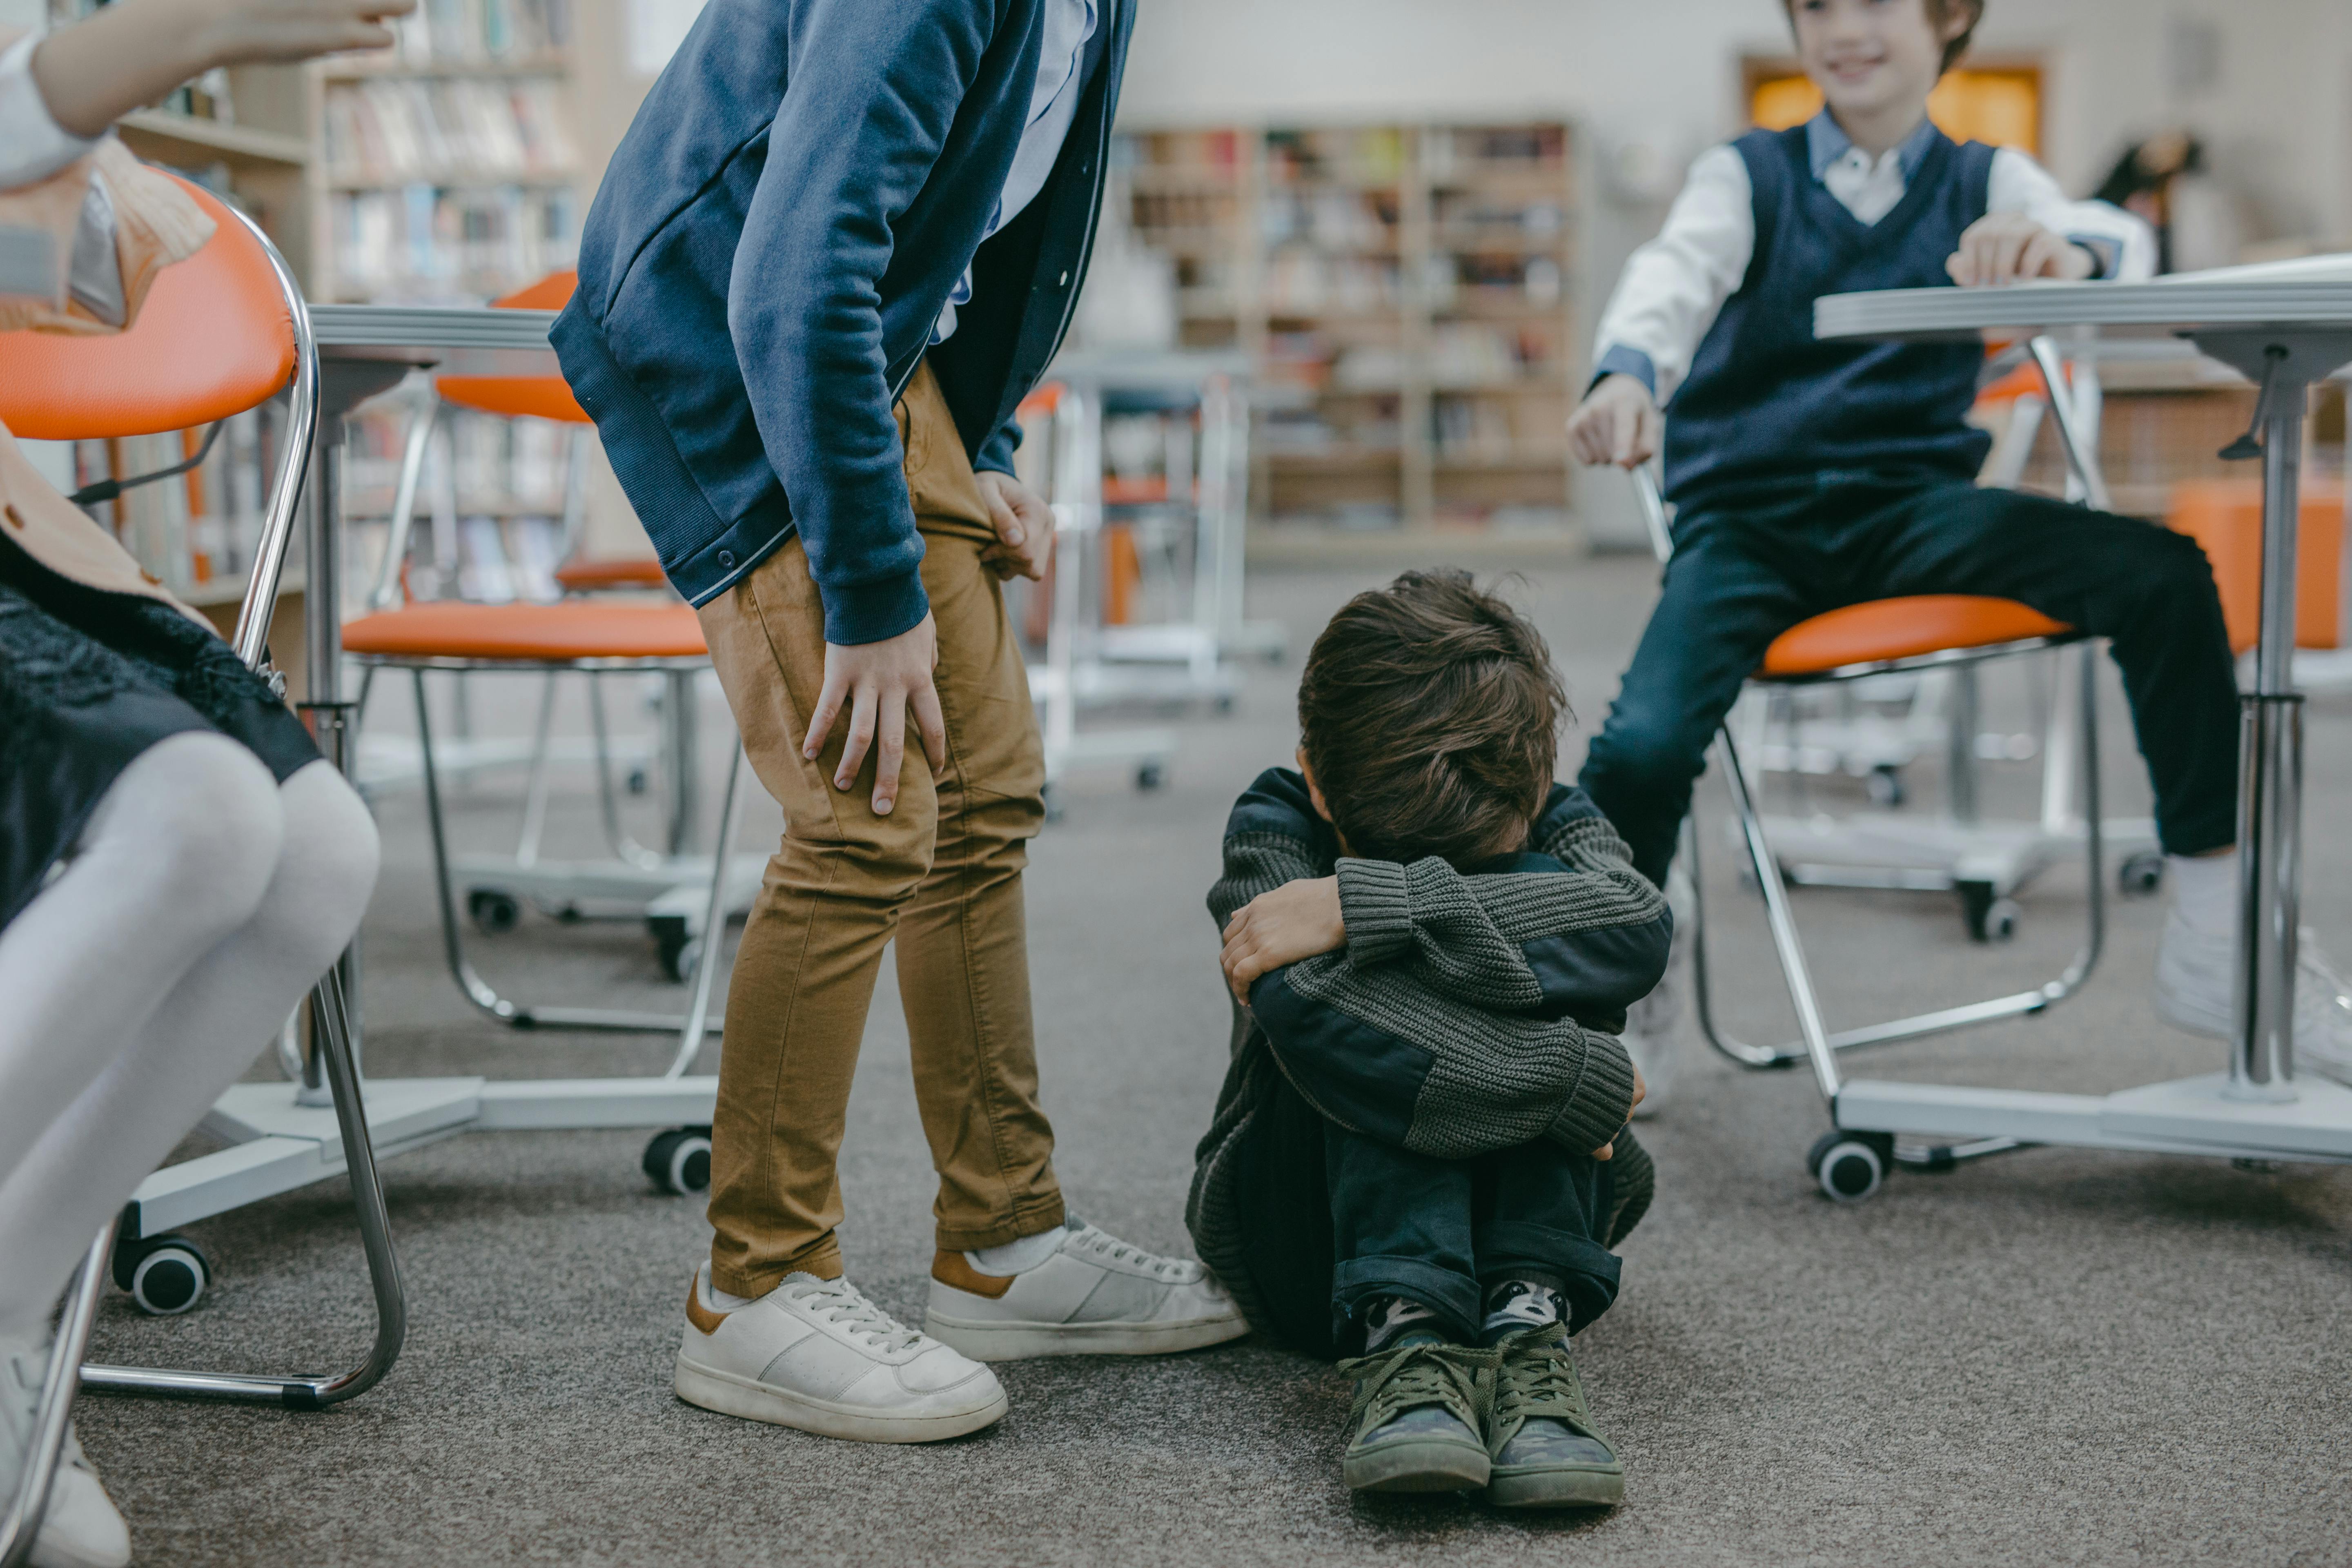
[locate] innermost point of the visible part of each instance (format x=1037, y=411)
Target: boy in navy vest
x=1811, y=475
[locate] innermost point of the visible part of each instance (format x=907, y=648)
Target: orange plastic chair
x=220, y=333
x=1881, y=637
x=2225, y=518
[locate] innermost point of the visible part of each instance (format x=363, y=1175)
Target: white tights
x=202, y=903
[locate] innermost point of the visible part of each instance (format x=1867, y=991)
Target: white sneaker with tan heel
x=816, y=1355
x=1087, y=1293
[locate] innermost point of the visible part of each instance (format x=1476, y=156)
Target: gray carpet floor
x=2046, y=1357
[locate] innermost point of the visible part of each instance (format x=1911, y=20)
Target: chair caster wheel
x=1988, y=918
x=1883, y=785
x=1051, y=795
x=166, y=1275
x=678, y=1161
x=1850, y=1166
x=639, y=780
x=2140, y=875
x=1150, y=778
x=494, y=912
x=670, y=945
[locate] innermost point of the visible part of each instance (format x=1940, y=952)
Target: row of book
x=456, y=31
x=426, y=244
x=383, y=132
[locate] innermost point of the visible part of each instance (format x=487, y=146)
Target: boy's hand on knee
x=1641, y=1090
x=1618, y=422
x=1025, y=527
x=2009, y=248
x=1297, y=919
x=880, y=681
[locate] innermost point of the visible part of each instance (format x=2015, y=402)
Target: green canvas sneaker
x=1415, y=1420
x=1546, y=1452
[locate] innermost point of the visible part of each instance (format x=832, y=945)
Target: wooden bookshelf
x=1404, y=291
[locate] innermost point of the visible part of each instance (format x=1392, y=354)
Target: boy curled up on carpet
x=1420, y=1157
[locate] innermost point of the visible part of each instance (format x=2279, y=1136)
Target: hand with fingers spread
x=880, y=683
x=2009, y=248
x=1024, y=528
x=1296, y=920
x=1618, y=422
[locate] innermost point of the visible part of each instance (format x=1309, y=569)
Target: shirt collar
x=1825, y=143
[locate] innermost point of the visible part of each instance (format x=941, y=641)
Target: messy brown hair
x=1429, y=714
x=1939, y=15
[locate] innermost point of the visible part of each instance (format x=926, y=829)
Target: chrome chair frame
x=1815, y=1044
x=332, y=1043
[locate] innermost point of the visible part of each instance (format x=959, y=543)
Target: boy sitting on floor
x=1810, y=475
x=1420, y=1150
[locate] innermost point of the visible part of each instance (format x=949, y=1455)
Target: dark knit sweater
x=1467, y=1012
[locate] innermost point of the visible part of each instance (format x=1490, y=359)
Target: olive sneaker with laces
x=1415, y=1424
x=815, y=1354
x=1539, y=1432
x=1083, y=1292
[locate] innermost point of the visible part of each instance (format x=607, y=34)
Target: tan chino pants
x=941, y=873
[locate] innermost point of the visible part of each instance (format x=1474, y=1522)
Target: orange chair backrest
x=518, y=396
x=214, y=337
x=2225, y=518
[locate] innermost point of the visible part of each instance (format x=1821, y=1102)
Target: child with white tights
x=177, y=865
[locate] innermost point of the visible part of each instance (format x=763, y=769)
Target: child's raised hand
x=1617, y=422
x=2009, y=248
x=1297, y=919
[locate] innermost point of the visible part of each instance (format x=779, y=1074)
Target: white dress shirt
x=1674, y=287
x=1053, y=106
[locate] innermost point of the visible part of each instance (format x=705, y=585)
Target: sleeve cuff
x=996, y=452
x=1618, y=359
x=1604, y=1100
x=874, y=612
x=2105, y=250
x=1377, y=909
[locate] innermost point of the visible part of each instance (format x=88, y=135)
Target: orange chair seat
x=536, y=634
x=1886, y=630
x=615, y=571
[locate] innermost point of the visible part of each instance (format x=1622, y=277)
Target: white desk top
x=2312, y=293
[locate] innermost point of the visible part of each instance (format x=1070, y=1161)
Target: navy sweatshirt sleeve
x=804, y=302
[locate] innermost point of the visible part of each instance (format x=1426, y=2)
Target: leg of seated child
x=1405, y=1280
x=1543, y=1217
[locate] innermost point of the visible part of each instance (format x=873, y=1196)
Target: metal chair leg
x=714, y=926
x=22, y=1522
x=304, y=1392
x=453, y=942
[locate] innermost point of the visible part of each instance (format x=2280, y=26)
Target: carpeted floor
x=2047, y=1357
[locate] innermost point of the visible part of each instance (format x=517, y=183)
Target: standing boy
x=1811, y=475
x=834, y=252
x=1419, y=1153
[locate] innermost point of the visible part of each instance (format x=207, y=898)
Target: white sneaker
x=1653, y=1025
x=81, y=1528
x=2196, y=989
x=1093, y=1295
x=815, y=1354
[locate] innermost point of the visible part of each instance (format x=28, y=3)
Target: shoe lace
x=1536, y=1380
x=839, y=1302
x=1175, y=1270
x=1411, y=1376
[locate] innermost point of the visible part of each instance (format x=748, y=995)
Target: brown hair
x=1940, y=14
x=1429, y=713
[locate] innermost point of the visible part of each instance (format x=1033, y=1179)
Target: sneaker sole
x=1557, y=1488
x=729, y=1395
x=1023, y=1341
x=1429, y=1466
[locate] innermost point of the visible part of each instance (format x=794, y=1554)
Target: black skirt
x=89, y=681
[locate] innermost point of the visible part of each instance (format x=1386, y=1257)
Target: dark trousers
x=1743, y=574
x=1334, y=1219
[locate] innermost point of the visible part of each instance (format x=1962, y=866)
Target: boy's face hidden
x=1873, y=59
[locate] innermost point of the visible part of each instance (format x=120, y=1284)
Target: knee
x=196, y=814
x=1646, y=755
x=2179, y=578
x=325, y=866
x=880, y=868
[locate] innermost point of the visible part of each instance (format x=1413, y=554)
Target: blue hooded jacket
x=762, y=268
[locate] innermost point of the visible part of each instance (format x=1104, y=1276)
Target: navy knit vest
x=1765, y=402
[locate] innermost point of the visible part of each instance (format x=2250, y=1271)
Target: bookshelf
x=1404, y=291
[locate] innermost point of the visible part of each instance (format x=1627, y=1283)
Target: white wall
x=1668, y=70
